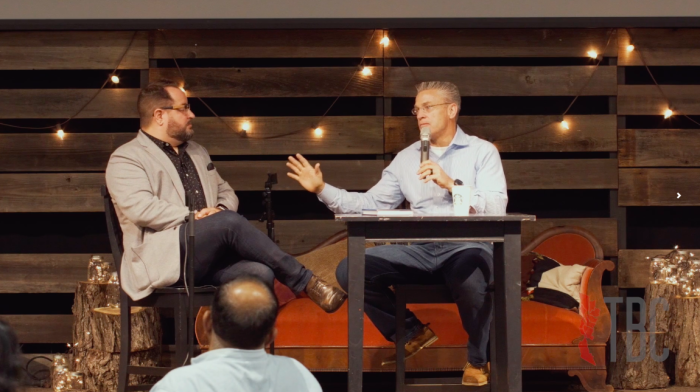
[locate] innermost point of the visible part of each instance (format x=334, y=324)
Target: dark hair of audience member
x=10, y=361
x=239, y=324
x=152, y=97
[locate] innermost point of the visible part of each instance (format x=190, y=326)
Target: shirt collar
x=460, y=139
x=221, y=353
x=164, y=145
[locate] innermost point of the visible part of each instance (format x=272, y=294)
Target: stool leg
x=125, y=344
x=181, y=347
x=493, y=376
x=400, y=340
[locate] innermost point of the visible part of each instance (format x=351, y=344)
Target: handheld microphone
x=424, y=144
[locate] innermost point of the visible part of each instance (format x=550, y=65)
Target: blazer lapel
x=164, y=161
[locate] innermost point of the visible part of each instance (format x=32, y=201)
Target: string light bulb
x=630, y=48
x=60, y=134
x=565, y=124
x=318, y=132
x=366, y=71
x=592, y=54
x=667, y=114
x=385, y=41
x=115, y=79
x=245, y=126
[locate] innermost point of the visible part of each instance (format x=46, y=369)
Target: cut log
x=687, y=324
x=97, y=337
x=94, y=330
x=647, y=373
x=102, y=368
x=655, y=296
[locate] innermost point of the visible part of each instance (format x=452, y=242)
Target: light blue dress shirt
x=474, y=161
x=230, y=369
x=468, y=158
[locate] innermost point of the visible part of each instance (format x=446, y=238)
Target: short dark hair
x=154, y=96
x=242, y=326
x=10, y=361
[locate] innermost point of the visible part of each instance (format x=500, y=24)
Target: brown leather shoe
x=423, y=339
x=327, y=297
x=476, y=376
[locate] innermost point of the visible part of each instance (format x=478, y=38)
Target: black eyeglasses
x=181, y=108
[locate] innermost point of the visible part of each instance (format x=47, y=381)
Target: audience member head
x=165, y=112
x=10, y=361
x=242, y=315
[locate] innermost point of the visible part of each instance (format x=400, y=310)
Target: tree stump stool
x=97, y=337
x=646, y=373
x=686, y=328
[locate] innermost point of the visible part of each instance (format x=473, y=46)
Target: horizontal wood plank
x=648, y=100
x=587, y=132
x=91, y=151
x=251, y=175
x=507, y=81
x=659, y=187
x=29, y=50
x=48, y=153
x=80, y=192
x=603, y=229
x=265, y=44
x=341, y=135
x=48, y=328
x=561, y=173
x=659, y=147
x=59, y=192
x=274, y=82
x=659, y=47
x=500, y=42
x=634, y=266
x=43, y=273
x=64, y=103
x=299, y=236
x=59, y=273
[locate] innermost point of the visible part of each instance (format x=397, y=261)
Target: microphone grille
x=425, y=133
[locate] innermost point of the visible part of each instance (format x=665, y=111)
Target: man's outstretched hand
x=309, y=177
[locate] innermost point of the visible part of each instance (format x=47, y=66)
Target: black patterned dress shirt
x=185, y=169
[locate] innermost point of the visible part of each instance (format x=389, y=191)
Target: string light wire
x=109, y=79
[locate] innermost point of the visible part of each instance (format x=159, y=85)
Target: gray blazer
x=149, y=198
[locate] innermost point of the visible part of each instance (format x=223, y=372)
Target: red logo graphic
x=590, y=314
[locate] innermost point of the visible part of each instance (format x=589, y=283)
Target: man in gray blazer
x=148, y=179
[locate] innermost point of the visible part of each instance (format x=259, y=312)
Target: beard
x=180, y=133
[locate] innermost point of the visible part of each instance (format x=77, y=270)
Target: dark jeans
x=467, y=273
x=227, y=246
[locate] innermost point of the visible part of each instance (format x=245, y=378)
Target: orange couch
x=552, y=338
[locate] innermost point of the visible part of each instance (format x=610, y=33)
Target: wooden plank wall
x=41, y=173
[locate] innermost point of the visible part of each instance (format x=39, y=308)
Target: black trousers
x=227, y=246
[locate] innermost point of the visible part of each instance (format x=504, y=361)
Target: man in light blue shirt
x=241, y=323
x=465, y=267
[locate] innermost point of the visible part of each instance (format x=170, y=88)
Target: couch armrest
x=591, y=286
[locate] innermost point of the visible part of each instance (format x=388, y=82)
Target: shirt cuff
x=222, y=207
x=328, y=194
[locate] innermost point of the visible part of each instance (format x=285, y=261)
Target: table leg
x=507, y=310
x=356, y=304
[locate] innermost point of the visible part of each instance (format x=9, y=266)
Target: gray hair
x=450, y=89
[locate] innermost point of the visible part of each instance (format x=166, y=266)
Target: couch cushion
x=547, y=324
x=302, y=323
